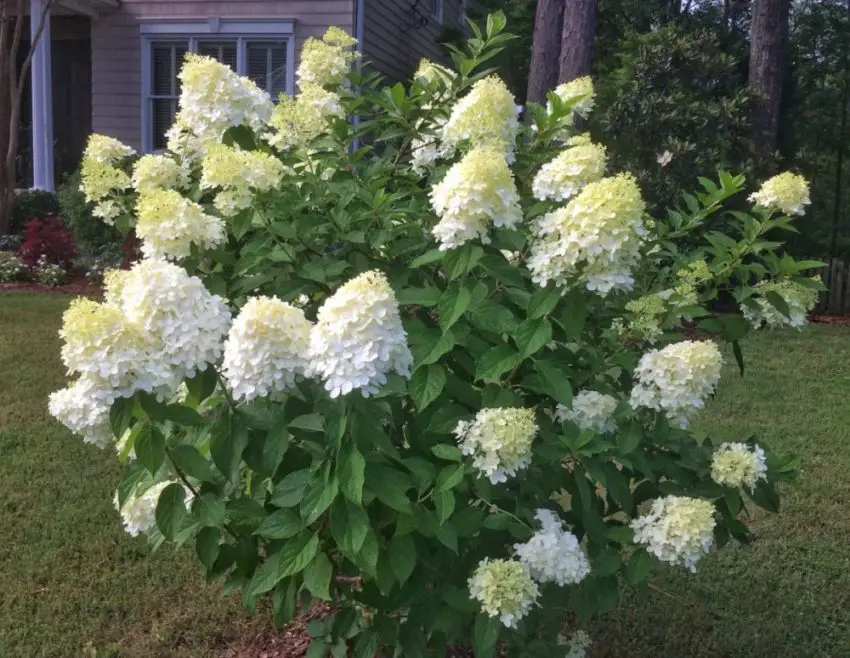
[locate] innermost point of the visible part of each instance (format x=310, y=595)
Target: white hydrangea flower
x=139, y=509
x=787, y=192
x=504, y=589
x=214, y=98
x=83, y=407
x=677, y=530
x=595, y=239
x=101, y=343
x=739, y=465
x=169, y=224
x=267, y=348
x=499, y=441
x=176, y=309
x=184, y=143
x=477, y=192
x=325, y=62
x=158, y=171
x=358, y=338
x=590, y=410
x=485, y=117
x=553, y=555
x=106, y=150
x=431, y=72
x=239, y=174
x=424, y=152
x=579, y=90
x=677, y=379
x=800, y=299
x=572, y=169
x=298, y=121
x=577, y=644
x=106, y=210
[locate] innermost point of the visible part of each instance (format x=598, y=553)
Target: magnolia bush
x=429, y=364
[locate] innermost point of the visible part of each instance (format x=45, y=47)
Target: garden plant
x=408, y=351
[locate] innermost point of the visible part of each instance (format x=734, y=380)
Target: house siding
x=116, y=47
x=395, y=36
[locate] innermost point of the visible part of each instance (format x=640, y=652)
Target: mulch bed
x=78, y=285
x=843, y=320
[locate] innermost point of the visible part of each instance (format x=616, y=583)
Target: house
x=110, y=66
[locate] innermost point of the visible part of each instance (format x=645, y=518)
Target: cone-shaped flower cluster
x=358, y=338
x=565, y=175
x=553, y=555
x=101, y=178
x=799, y=298
x=478, y=192
x=677, y=529
x=266, y=349
x=168, y=224
x=298, y=121
x=596, y=239
x=504, y=589
x=158, y=171
x=677, y=379
x=739, y=465
x=590, y=410
x=238, y=174
x=499, y=441
x=325, y=62
x=787, y=192
x=579, y=91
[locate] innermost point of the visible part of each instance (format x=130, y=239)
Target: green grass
x=69, y=575
x=788, y=592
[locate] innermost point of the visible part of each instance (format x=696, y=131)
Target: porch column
x=42, y=100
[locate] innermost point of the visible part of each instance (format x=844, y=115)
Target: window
x=263, y=52
x=437, y=10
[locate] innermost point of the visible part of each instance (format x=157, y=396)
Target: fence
x=836, y=276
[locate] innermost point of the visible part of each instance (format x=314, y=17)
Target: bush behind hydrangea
x=361, y=391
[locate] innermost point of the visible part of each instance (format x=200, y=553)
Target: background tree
x=577, y=38
x=546, y=49
x=12, y=87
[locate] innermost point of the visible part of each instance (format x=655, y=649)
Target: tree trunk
x=768, y=48
x=545, y=49
x=577, y=38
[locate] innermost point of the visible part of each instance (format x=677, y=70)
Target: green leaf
x=390, y=487
x=183, y=415
x=431, y=256
x=206, y=546
x=192, y=463
x=485, y=636
x=444, y=503
x=496, y=22
x=308, y=423
x=448, y=452
x=426, y=385
x=606, y=563
x=317, y=577
x=229, y=439
x=349, y=525
x=402, y=554
x=574, y=313
x=454, y=301
x=495, y=362
x=637, y=568
x=554, y=382
x=171, y=510
x=419, y=296
x=294, y=556
x=351, y=475
x=150, y=448
x=543, y=301
x=446, y=418
x=449, y=477
x=281, y=524
x=458, y=262
x=778, y=302
x=290, y=490
x=629, y=437
x=120, y=415
x=501, y=270
x=765, y=496
x=153, y=408
x=532, y=335
x=210, y=510
x=739, y=356
x=433, y=349
x=493, y=317
x=318, y=497
x=275, y=446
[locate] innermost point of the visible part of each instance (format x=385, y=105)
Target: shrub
x=49, y=239
x=454, y=409
x=47, y=273
x=10, y=242
x=91, y=233
x=11, y=268
x=33, y=204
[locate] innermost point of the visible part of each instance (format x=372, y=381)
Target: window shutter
x=223, y=51
x=267, y=66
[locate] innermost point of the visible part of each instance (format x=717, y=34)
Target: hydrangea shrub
x=428, y=365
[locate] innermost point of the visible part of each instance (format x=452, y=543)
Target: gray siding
x=394, y=40
x=116, y=47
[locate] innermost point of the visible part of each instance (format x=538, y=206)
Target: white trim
x=42, y=101
x=191, y=31
x=216, y=25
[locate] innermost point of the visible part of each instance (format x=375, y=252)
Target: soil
x=78, y=285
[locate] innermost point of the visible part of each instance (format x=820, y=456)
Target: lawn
x=70, y=576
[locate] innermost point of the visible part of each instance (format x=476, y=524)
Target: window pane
x=267, y=66
x=167, y=58
x=223, y=51
x=162, y=115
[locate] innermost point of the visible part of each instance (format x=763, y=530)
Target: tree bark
x=577, y=37
x=768, y=49
x=545, y=49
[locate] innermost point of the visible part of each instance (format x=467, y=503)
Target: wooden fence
x=836, y=277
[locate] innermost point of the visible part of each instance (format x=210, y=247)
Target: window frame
x=437, y=11
x=193, y=31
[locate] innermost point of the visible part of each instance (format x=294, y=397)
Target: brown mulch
x=291, y=641
x=73, y=288
x=843, y=320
